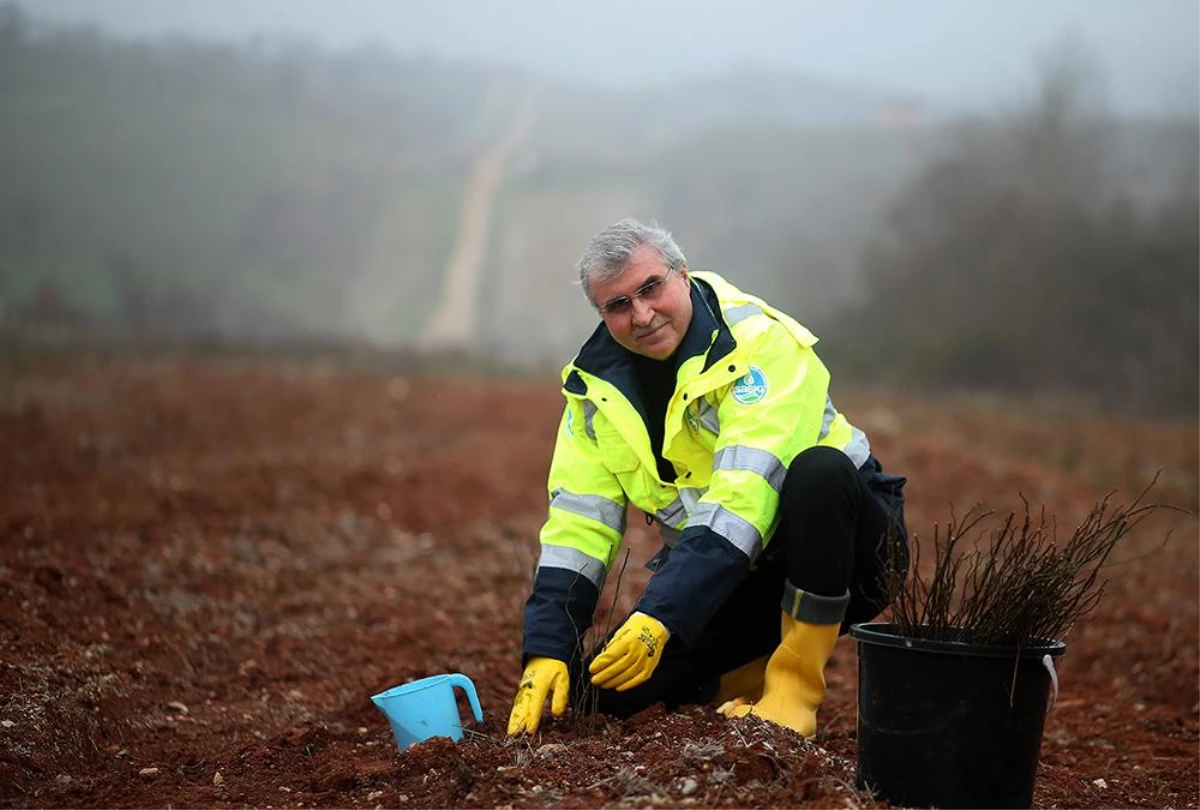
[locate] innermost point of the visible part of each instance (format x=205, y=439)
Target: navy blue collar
x=601, y=355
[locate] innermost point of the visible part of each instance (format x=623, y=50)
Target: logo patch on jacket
x=752, y=388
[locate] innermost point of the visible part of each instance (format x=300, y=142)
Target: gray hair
x=607, y=254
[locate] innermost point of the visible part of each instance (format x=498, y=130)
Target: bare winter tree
x=1025, y=259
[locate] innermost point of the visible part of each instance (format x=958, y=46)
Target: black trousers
x=834, y=522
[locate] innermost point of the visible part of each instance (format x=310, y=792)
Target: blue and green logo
x=752, y=388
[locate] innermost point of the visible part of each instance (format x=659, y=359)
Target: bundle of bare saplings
x=964, y=673
x=1016, y=584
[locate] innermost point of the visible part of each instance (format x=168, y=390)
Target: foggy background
x=999, y=196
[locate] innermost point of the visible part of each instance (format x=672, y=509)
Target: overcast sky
x=956, y=51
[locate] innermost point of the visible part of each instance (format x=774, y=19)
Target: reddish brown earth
x=208, y=566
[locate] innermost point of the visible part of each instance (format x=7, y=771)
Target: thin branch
x=1014, y=585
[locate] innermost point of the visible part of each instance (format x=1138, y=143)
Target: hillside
x=275, y=190
x=256, y=186
x=268, y=188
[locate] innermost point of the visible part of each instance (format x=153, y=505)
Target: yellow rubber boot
x=744, y=684
x=794, y=685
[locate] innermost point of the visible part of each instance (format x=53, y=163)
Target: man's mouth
x=652, y=330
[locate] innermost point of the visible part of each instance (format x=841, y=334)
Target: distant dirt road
x=452, y=324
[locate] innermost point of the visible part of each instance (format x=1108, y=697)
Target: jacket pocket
x=616, y=453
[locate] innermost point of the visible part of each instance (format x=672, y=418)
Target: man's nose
x=643, y=313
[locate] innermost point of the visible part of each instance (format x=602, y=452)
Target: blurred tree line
x=1019, y=261
x=175, y=188
x=274, y=189
x=178, y=188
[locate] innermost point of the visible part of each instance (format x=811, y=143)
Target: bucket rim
x=884, y=634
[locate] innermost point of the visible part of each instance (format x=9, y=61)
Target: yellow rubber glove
x=630, y=657
x=542, y=676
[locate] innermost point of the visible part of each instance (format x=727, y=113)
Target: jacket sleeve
x=579, y=540
x=767, y=416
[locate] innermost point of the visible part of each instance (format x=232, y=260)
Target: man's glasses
x=623, y=305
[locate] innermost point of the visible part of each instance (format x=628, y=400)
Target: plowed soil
x=209, y=565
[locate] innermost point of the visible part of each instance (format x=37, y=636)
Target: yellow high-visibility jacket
x=750, y=395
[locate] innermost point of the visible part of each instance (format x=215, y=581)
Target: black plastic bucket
x=946, y=724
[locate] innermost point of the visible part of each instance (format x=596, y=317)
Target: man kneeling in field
x=707, y=409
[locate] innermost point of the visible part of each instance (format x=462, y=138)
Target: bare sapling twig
x=603, y=635
x=1015, y=585
x=588, y=701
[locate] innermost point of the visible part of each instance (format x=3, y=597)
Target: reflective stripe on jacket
x=750, y=395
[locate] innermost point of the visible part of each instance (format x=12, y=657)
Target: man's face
x=647, y=307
